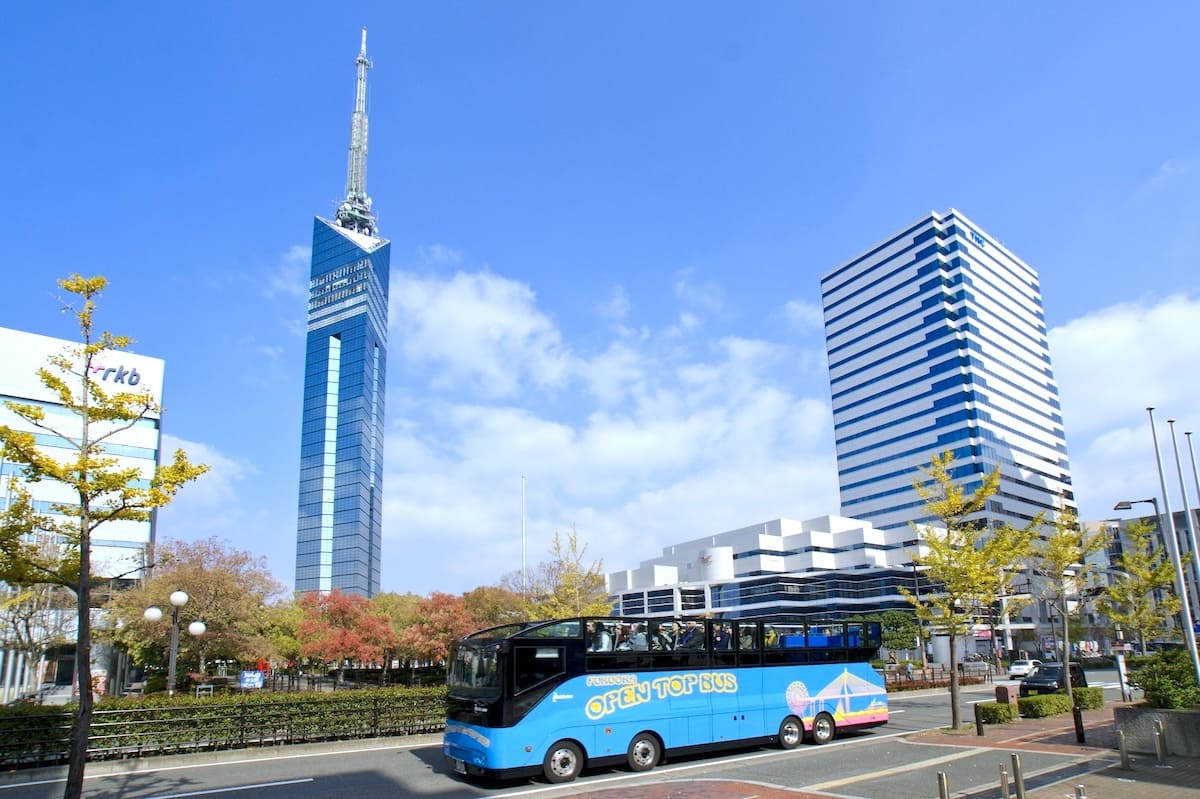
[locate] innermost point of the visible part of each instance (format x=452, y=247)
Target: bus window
x=533, y=665
x=473, y=671
x=791, y=636
x=560, y=629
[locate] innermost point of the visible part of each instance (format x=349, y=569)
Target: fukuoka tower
x=339, y=530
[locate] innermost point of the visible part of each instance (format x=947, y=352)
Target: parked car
x=1048, y=679
x=1021, y=668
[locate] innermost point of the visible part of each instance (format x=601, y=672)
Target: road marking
x=212, y=791
x=668, y=771
x=125, y=773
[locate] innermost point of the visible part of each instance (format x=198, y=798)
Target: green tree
x=492, y=605
x=1062, y=559
x=227, y=589
x=968, y=563
x=402, y=612
x=1141, y=599
x=564, y=586
x=56, y=547
x=899, y=629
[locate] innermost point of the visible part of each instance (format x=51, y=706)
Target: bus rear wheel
x=644, y=752
x=823, y=729
x=563, y=763
x=791, y=732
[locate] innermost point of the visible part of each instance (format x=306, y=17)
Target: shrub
x=1036, y=707
x=1088, y=698
x=997, y=712
x=1167, y=679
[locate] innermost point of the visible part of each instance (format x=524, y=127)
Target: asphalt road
x=877, y=763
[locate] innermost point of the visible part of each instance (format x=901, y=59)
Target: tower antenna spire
x=355, y=210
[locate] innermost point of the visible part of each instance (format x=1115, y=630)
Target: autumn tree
x=1062, y=560
x=564, y=586
x=441, y=618
x=1141, y=599
x=103, y=488
x=402, y=611
x=493, y=605
x=228, y=589
x=339, y=627
x=968, y=563
x=281, y=625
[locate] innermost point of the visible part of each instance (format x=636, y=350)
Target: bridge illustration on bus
x=557, y=696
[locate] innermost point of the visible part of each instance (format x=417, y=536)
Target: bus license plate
x=460, y=766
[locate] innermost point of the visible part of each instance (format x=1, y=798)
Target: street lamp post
x=195, y=629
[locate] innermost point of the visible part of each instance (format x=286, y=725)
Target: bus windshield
x=474, y=671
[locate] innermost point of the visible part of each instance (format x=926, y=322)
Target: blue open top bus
x=554, y=696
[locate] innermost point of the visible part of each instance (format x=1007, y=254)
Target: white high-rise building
x=937, y=341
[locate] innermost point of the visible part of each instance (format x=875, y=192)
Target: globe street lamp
x=195, y=629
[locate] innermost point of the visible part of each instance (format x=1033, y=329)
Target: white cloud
x=289, y=277
x=1110, y=365
x=440, y=255
x=1170, y=173
x=803, y=316
x=706, y=298
x=477, y=332
x=615, y=307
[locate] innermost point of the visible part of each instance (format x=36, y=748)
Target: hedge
x=1036, y=707
x=997, y=712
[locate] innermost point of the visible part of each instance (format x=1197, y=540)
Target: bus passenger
x=746, y=636
x=770, y=637
x=692, y=637
x=661, y=639
x=634, y=639
x=722, y=637
x=601, y=639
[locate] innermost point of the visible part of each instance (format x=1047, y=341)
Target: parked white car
x=1022, y=668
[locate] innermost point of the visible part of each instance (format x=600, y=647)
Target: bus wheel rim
x=643, y=752
x=563, y=761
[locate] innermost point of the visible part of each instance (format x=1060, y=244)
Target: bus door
x=751, y=715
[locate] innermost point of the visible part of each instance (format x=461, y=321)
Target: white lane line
x=666, y=772
x=230, y=790
x=125, y=773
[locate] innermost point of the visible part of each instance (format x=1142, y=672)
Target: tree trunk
x=77, y=753
x=955, y=713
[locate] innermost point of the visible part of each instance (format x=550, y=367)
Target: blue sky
x=608, y=226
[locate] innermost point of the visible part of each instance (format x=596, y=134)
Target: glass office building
x=937, y=341
x=340, y=528
x=341, y=442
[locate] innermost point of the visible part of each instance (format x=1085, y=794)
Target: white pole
x=1187, y=524
x=524, y=579
x=1189, y=635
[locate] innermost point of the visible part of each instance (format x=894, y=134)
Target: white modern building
x=937, y=342
x=826, y=568
x=119, y=550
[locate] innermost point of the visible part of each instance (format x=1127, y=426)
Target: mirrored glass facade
x=339, y=532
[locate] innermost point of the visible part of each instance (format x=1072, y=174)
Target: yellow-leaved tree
x=563, y=586
x=55, y=547
x=967, y=562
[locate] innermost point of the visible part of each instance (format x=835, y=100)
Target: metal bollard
x=943, y=786
x=1018, y=775
x=1079, y=794
x=1161, y=731
x=1077, y=714
x=1003, y=783
x=978, y=719
x=1123, y=750
x=1160, y=747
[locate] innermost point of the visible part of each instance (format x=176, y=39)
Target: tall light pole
x=524, y=580
x=197, y=628
x=1187, y=524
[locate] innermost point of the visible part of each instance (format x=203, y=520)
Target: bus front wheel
x=563, y=762
x=644, y=751
x=822, y=729
x=791, y=732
